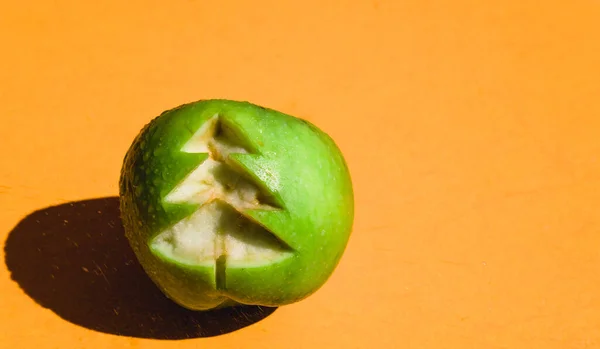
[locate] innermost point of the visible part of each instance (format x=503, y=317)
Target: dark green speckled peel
x=305, y=196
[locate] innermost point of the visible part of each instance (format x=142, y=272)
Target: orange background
x=470, y=127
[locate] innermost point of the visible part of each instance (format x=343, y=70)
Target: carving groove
x=218, y=233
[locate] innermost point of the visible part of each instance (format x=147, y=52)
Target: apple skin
x=297, y=163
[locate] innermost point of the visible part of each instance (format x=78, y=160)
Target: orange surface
x=470, y=127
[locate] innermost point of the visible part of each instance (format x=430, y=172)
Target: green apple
x=227, y=203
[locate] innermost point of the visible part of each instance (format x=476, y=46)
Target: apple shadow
x=75, y=260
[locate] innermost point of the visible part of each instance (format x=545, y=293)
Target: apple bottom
x=202, y=287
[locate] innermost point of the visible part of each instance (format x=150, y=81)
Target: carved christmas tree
x=218, y=233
